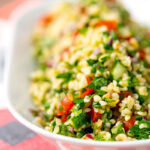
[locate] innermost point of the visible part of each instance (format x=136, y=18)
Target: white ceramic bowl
x=19, y=66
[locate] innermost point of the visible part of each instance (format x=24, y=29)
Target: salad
x=92, y=76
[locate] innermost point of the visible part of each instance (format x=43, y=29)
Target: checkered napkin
x=14, y=136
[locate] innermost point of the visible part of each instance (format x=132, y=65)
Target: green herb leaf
x=132, y=53
x=81, y=134
x=46, y=104
x=108, y=47
x=91, y=62
x=138, y=117
x=117, y=130
x=144, y=63
x=65, y=75
x=83, y=30
x=96, y=105
x=104, y=58
x=138, y=133
x=97, y=83
x=77, y=107
x=60, y=108
x=80, y=120
x=100, y=92
x=133, y=81
x=78, y=100
x=52, y=125
x=113, y=35
x=47, y=117
x=109, y=100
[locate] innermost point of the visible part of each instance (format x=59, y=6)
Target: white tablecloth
x=2, y=99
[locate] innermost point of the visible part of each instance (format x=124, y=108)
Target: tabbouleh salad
x=92, y=79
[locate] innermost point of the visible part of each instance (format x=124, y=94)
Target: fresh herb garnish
x=83, y=30
x=78, y=100
x=138, y=133
x=108, y=47
x=80, y=120
x=102, y=59
x=47, y=117
x=77, y=107
x=91, y=62
x=133, y=81
x=97, y=83
x=100, y=92
x=113, y=35
x=96, y=105
x=117, y=130
x=67, y=76
x=46, y=104
x=138, y=118
x=109, y=100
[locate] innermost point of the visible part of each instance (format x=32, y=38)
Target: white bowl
x=19, y=66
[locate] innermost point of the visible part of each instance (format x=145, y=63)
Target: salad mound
x=92, y=79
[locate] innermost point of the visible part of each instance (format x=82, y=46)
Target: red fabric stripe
x=7, y=9
x=4, y=146
x=35, y=143
x=5, y=117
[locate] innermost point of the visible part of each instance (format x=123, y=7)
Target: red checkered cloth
x=15, y=136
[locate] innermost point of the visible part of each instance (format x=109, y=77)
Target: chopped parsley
x=96, y=105
x=46, y=104
x=97, y=83
x=80, y=120
x=83, y=30
x=91, y=62
x=66, y=76
x=78, y=100
x=139, y=133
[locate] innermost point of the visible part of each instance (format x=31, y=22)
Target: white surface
x=2, y=99
x=18, y=68
x=6, y=28
x=140, y=10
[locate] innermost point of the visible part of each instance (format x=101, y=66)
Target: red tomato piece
x=142, y=54
x=126, y=94
x=64, y=117
x=45, y=20
x=87, y=92
x=129, y=124
x=125, y=38
x=95, y=115
x=76, y=33
x=110, y=24
x=64, y=106
x=89, y=79
x=66, y=51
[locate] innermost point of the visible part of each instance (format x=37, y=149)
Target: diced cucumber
x=118, y=70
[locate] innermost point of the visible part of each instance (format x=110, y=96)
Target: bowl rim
x=39, y=130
